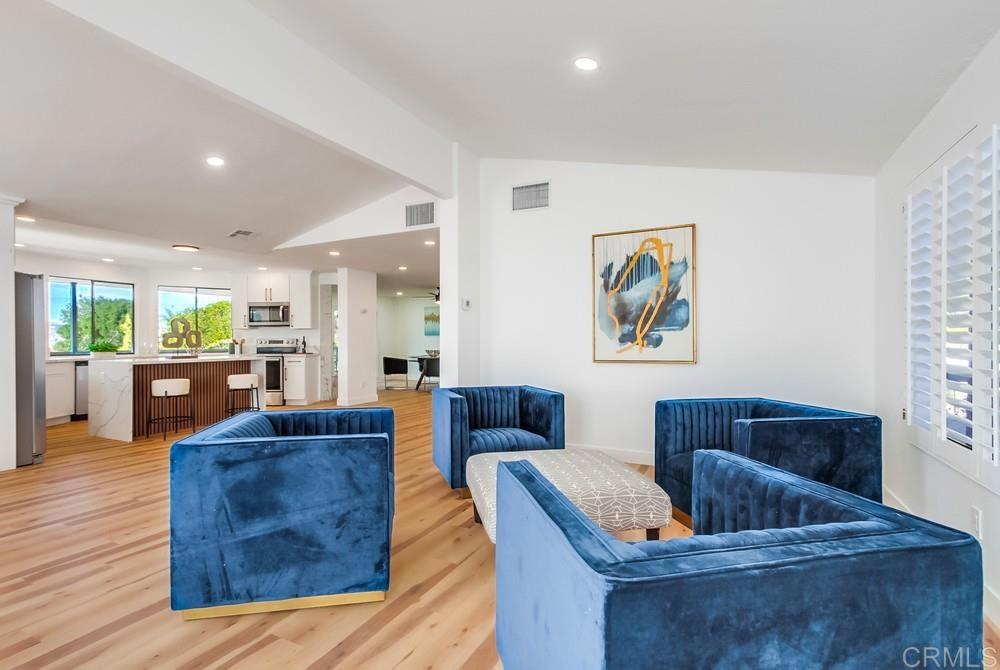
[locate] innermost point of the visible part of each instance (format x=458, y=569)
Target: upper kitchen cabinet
x=267, y=287
x=303, y=301
x=240, y=298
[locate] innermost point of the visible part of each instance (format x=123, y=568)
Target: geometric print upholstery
x=612, y=494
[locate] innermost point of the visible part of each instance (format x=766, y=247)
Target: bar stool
x=167, y=393
x=242, y=393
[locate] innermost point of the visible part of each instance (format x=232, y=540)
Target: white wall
x=784, y=300
x=8, y=405
x=357, y=304
x=942, y=481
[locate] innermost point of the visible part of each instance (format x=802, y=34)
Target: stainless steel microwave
x=267, y=314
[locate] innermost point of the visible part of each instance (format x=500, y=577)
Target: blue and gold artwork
x=644, y=295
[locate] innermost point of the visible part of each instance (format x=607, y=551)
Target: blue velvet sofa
x=280, y=510
x=830, y=446
x=782, y=572
x=480, y=419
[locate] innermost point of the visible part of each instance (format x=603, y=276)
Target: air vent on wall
x=239, y=234
x=420, y=215
x=531, y=196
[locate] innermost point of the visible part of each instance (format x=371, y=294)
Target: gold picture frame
x=667, y=317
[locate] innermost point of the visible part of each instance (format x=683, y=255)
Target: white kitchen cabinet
x=303, y=296
x=60, y=389
x=240, y=299
x=301, y=379
x=267, y=287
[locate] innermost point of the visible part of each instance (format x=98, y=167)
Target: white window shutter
x=952, y=290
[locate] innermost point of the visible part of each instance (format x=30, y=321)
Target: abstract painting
x=644, y=307
x=432, y=320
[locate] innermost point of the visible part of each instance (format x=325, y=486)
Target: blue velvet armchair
x=281, y=510
x=480, y=419
x=782, y=572
x=842, y=449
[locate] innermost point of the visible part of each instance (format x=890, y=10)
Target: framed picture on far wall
x=432, y=321
x=643, y=300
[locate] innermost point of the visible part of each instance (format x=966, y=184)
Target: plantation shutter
x=952, y=295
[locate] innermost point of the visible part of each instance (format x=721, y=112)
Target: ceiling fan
x=435, y=294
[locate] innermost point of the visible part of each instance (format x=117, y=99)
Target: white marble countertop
x=164, y=360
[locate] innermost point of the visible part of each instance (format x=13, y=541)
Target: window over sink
x=82, y=311
x=208, y=310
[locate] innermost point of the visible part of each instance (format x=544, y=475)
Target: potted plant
x=103, y=349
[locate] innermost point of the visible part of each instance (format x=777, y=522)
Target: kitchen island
x=119, y=388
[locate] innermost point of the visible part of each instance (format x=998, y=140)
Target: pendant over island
x=119, y=389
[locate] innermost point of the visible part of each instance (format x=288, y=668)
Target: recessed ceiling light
x=261, y=267
x=26, y=219
x=19, y=245
x=108, y=260
x=185, y=247
x=216, y=161
x=402, y=267
x=430, y=243
x=399, y=293
x=334, y=253
x=196, y=268
x=585, y=64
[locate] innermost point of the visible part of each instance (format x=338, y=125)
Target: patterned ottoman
x=611, y=493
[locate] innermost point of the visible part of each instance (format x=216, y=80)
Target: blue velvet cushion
x=477, y=419
x=843, y=449
x=487, y=440
x=783, y=572
x=275, y=505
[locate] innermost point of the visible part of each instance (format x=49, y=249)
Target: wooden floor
x=84, y=571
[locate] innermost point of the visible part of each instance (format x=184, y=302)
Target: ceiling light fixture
x=399, y=293
x=196, y=269
x=430, y=243
x=261, y=267
x=26, y=219
x=107, y=260
x=19, y=245
x=215, y=161
x=586, y=64
x=402, y=267
x=334, y=253
x=186, y=247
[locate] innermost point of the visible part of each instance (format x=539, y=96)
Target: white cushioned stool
x=612, y=494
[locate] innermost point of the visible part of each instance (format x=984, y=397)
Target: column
x=459, y=270
x=8, y=431
x=358, y=353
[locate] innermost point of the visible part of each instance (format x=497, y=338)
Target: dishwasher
x=80, y=404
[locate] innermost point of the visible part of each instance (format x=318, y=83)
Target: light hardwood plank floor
x=84, y=571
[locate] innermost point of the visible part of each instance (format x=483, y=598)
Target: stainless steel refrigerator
x=29, y=367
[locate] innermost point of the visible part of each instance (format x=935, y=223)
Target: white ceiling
x=100, y=135
x=817, y=85
x=382, y=253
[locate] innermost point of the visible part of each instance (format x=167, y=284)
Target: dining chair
x=395, y=367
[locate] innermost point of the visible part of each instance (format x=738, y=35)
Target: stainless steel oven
x=274, y=367
x=274, y=386
x=267, y=314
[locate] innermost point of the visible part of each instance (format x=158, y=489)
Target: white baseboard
x=637, y=456
x=892, y=500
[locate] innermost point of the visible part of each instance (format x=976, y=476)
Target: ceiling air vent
x=420, y=215
x=239, y=234
x=531, y=196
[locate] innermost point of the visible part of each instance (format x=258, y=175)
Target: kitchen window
x=82, y=311
x=208, y=310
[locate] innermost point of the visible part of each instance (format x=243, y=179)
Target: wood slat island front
x=119, y=390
